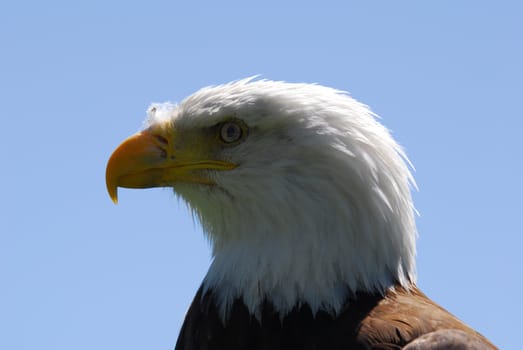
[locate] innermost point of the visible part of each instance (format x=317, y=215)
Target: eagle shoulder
x=401, y=319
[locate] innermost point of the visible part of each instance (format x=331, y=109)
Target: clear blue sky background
x=77, y=272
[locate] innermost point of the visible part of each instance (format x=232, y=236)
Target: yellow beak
x=147, y=159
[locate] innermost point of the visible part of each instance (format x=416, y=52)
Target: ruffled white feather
x=319, y=206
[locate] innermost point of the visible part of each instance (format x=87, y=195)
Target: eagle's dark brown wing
x=412, y=320
x=449, y=339
x=399, y=320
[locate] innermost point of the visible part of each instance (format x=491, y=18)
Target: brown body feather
x=399, y=320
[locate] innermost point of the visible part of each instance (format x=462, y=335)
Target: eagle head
x=304, y=195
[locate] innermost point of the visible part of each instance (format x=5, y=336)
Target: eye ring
x=231, y=132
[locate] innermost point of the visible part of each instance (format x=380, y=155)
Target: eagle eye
x=231, y=132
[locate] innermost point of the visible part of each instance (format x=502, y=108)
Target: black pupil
x=232, y=132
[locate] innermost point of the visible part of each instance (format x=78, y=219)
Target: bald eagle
x=306, y=200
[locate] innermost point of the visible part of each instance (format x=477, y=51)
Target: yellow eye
x=230, y=132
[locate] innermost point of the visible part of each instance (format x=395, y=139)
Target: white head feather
x=319, y=206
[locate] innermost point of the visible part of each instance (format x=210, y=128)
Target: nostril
x=161, y=139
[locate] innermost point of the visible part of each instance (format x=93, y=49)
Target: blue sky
x=77, y=272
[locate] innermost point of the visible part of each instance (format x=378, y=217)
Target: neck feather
x=318, y=249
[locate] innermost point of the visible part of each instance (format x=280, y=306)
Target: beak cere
x=147, y=159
